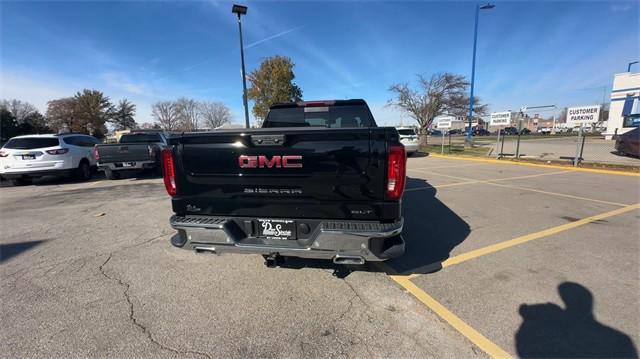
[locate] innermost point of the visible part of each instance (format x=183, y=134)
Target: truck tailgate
x=123, y=153
x=308, y=172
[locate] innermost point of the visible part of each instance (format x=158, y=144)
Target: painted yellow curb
x=507, y=162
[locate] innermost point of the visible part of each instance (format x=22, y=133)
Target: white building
x=624, y=113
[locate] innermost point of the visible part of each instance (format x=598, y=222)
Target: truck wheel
x=111, y=175
x=21, y=181
x=83, y=172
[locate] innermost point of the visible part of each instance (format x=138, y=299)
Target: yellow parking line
x=466, y=181
x=458, y=324
x=439, y=186
x=507, y=162
x=558, y=194
x=533, y=236
x=474, y=180
x=492, y=182
x=441, y=167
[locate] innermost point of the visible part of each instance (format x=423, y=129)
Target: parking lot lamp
x=629, y=66
x=473, y=66
x=242, y=10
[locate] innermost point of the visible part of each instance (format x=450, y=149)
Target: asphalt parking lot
x=502, y=260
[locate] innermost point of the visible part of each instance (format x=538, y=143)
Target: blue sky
x=529, y=53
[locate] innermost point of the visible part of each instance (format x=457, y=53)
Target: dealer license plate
x=276, y=228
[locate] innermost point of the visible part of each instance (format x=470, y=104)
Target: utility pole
x=242, y=10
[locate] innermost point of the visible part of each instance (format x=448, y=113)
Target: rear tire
x=21, y=181
x=111, y=175
x=83, y=172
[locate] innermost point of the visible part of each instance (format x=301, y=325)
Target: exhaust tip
x=210, y=250
x=339, y=259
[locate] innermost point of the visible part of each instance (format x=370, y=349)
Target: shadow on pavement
x=98, y=176
x=549, y=331
x=418, y=154
x=9, y=250
x=431, y=231
x=55, y=180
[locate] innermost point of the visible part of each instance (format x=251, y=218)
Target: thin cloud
x=620, y=7
x=122, y=82
x=255, y=43
x=272, y=37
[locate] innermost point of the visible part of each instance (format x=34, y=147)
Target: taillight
x=396, y=171
x=152, y=152
x=169, y=171
x=4, y=153
x=96, y=154
x=60, y=151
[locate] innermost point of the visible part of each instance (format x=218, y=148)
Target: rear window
x=140, y=138
x=30, y=143
x=407, y=132
x=327, y=116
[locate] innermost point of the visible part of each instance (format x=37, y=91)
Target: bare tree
x=443, y=93
x=214, y=114
x=150, y=126
x=165, y=115
x=20, y=110
x=61, y=115
x=188, y=114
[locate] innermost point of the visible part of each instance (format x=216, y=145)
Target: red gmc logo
x=275, y=161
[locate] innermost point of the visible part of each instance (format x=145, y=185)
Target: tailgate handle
x=267, y=140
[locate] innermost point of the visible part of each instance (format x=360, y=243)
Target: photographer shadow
x=431, y=231
x=550, y=331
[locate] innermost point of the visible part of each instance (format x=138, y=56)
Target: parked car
x=435, y=133
x=508, y=131
x=525, y=131
x=136, y=151
x=24, y=158
x=628, y=144
x=318, y=180
x=481, y=132
x=409, y=138
x=456, y=131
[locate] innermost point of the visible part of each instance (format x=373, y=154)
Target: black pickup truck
x=318, y=180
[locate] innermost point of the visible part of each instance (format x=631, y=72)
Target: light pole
x=629, y=66
x=242, y=10
x=473, y=65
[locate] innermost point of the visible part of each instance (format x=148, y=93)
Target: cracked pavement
x=87, y=270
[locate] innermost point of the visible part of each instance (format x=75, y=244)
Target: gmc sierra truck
x=136, y=151
x=318, y=180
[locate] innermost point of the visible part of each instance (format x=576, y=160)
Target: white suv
x=23, y=158
x=409, y=139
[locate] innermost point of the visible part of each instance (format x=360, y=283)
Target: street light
x=473, y=64
x=629, y=66
x=242, y=10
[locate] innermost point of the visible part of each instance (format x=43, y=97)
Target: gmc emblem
x=275, y=161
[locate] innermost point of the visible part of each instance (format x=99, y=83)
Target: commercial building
x=624, y=113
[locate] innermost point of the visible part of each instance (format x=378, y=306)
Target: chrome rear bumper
x=335, y=240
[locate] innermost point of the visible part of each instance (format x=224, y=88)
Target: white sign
x=500, y=118
x=583, y=114
x=445, y=122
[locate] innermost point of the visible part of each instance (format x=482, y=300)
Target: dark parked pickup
x=135, y=151
x=318, y=180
